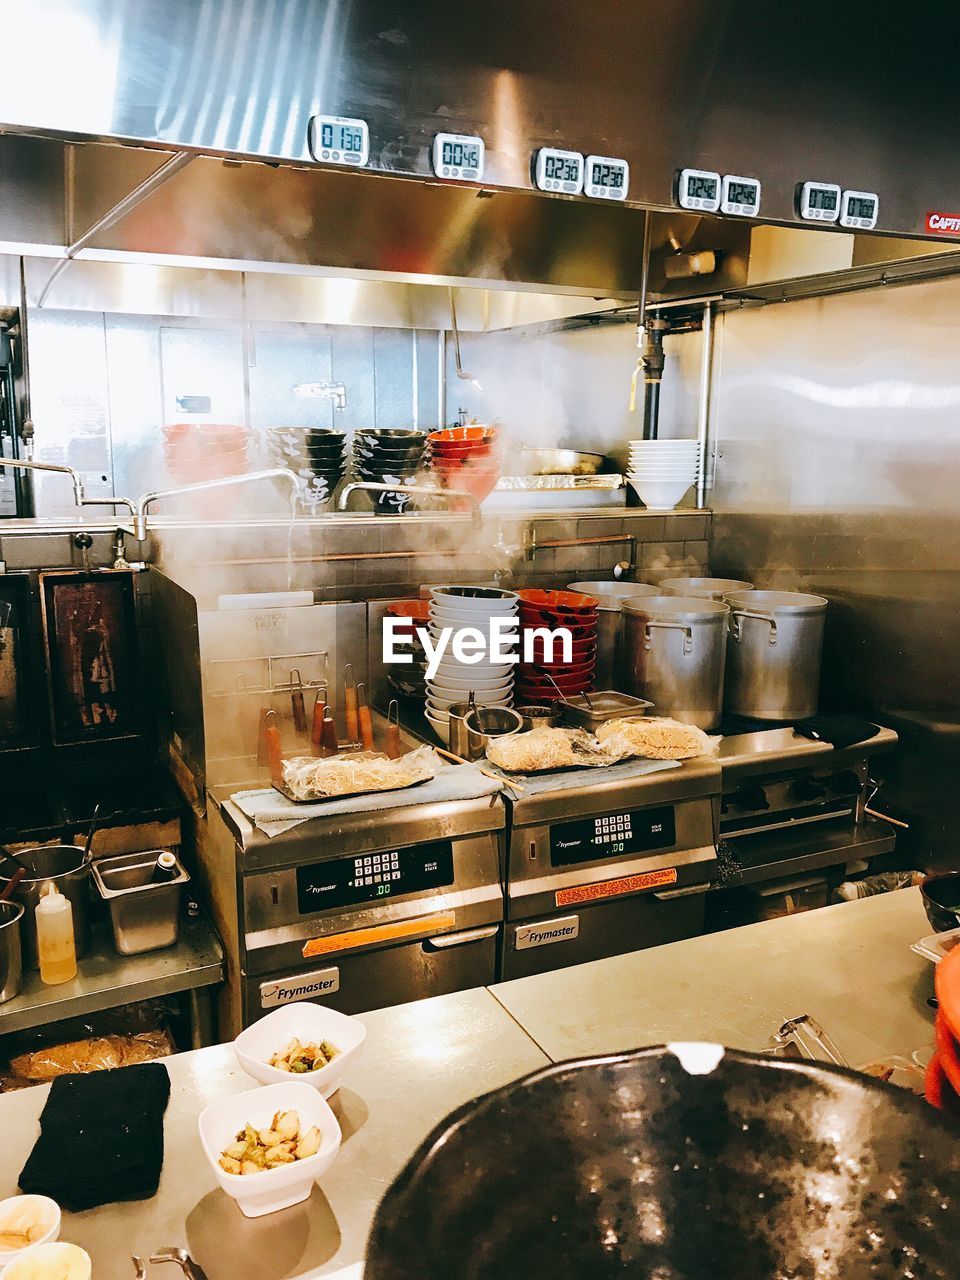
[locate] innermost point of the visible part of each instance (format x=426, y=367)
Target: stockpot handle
x=737, y=614
x=669, y=626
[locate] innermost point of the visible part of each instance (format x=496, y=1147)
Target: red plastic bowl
x=416, y=612
x=478, y=483
x=567, y=600
x=463, y=435
x=580, y=651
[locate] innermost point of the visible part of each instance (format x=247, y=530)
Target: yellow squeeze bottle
x=55, y=942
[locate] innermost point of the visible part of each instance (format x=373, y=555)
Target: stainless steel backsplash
x=837, y=431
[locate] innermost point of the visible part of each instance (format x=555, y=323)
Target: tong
x=319, y=710
x=296, y=702
x=364, y=718
x=190, y=1269
x=22, y=869
x=394, y=751
x=350, y=703
x=273, y=747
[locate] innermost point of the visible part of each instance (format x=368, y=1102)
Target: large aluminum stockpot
x=11, y=968
x=610, y=593
x=703, y=588
x=774, y=653
x=673, y=654
x=64, y=866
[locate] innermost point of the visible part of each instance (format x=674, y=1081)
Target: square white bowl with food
x=269, y=1190
x=310, y=1024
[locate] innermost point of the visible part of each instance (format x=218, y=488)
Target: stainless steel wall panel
x=839, y=473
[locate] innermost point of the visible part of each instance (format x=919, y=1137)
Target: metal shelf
x=789, y=853
x=106, y=979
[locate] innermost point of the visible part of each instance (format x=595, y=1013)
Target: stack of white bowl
x=661, y=471
x=491, y=684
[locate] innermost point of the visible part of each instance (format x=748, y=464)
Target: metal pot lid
x=776, y=601
x=678, y=608
x=707, y=588
x=661, y=1161
x=612, y=592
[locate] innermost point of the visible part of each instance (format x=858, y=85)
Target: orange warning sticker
x=378, y=933
x=614, y=888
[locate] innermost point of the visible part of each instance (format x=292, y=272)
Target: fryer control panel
x=368, y=877
x=612, y=834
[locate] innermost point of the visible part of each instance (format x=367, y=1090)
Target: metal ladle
x=461, y=372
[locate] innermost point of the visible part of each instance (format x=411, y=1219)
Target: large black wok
x=629, y=1166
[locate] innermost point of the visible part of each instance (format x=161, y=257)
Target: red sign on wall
x=943, y=224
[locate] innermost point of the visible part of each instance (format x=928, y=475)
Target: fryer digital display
x=611, y=835
x=368, y=877
x=339, y=140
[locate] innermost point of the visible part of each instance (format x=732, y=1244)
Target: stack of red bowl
x=548, y=678
x=943, y=1073
x=205, y=450
x=466, y=458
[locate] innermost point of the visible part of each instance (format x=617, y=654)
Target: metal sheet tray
x=345, y=795
x=605, y=704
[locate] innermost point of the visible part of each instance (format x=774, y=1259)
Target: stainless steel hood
x=99, y=93
x=783, y=93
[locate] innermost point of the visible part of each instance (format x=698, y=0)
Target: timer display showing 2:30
x=606, y=175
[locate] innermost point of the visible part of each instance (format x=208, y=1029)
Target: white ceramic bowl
x=651, y=446
x=663, y=494
x=436, y=714
x=310, y=1023
x=441, y=727
x=441, y=701
x=273, y=1189
x=54, y=1258
x=41, y=1210
x=457, y=683
x=452, y=612
x=446, y=595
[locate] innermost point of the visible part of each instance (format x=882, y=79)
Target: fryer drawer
x=376, y=979
x=543, y=943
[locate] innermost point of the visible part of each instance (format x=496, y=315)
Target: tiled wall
x=394, y=557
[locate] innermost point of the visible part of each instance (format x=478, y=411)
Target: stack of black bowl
x=389, y=456
x=316, y=454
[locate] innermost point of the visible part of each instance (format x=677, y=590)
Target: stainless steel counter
x=420, y=1061
x=850, y=966
x=106, y=979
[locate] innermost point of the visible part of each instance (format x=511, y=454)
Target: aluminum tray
x=605, y=704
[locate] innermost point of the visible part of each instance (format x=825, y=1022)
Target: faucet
x=29, y=465
x=148, y=499
x=414, y=490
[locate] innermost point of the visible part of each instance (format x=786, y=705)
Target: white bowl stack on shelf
x=661, y=471
x=491, y=684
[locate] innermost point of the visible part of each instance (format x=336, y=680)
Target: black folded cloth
x=840, y=730
x=101, y=1138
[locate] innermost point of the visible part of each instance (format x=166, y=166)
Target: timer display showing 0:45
x=458, y=155
x=612, y=835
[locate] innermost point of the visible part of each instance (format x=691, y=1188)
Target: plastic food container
x=39, y=1212
x=145, y=914
x=273, y=1189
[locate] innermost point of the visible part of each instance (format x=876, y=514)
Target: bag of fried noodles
x=655, y=738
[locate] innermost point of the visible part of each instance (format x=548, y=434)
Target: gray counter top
x=420, y=1061
x=849, y=966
